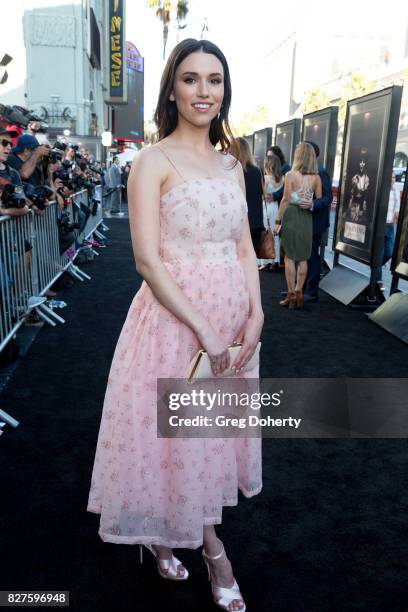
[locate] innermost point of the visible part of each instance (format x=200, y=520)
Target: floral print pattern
x=157, y=490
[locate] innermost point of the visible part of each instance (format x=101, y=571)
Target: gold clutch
x=200, y=366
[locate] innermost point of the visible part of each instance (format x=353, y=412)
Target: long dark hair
x=278, y=152
x=166, y=115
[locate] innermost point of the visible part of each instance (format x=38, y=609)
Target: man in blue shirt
x=320, y=212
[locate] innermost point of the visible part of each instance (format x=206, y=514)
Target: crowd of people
x=34, y=174
x=293, y=204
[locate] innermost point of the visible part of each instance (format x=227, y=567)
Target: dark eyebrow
x=196, y=74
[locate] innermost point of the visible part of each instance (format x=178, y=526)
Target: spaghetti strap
x=172, y=163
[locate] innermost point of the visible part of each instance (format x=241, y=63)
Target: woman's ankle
x=213, y=546
x=163, y=552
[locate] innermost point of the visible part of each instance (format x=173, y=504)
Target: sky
x=244, y=32
x=247, y=32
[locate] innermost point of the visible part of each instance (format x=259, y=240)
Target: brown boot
x=299, y=299
x=289, y=300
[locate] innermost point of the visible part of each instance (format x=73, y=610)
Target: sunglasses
x=6, y=143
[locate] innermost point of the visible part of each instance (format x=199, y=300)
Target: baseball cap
x=26, y=141
x=8, y=130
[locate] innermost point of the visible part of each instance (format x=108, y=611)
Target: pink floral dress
x=158, y=490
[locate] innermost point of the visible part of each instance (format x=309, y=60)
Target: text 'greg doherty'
x=221, y=399
x=223, y=421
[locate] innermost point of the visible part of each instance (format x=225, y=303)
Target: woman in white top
x=274, y=180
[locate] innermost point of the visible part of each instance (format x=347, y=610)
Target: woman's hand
x=216, y=349
x=277, y=228
x=249, y=336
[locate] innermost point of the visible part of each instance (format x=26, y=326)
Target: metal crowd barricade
x=93, y=203
x=31, y=262
x=47, y=261
x=15, y=278
x=50, y=264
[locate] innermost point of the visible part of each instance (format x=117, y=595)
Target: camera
x=62, y=146
x=13, y=196
x=20, y=116
x=75, y=148
x=96, y=170
x=38, y=194
x=65, y=177
x=66, y=225
x=54, y=156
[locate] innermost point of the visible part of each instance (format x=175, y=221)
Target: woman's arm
x=318, y=187
x=287, y=187
x=265, y=183
x=252, y=330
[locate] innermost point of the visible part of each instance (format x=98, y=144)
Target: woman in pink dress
x=193, y=248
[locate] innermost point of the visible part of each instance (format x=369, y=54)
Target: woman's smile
x=202, y=107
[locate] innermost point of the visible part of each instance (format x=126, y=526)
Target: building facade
x=65, y=57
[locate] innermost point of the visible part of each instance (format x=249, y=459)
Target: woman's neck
x=191, y=137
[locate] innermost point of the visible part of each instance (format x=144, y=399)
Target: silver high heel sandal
x=223, y=596
x=170, y=565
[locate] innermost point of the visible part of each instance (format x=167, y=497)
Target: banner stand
x=393, y=316
x=345, y=285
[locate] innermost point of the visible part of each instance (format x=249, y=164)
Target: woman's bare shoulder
x=150, y=160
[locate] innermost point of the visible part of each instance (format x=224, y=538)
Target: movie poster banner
x=365, y=180
x=321, y=127
x=262, y=140
x=287, y=136
x=399, y=263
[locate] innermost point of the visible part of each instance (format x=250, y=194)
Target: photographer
x=9, y=176
x=55, y=183
x=84, y=151
x=24, y=158
x=12, y=199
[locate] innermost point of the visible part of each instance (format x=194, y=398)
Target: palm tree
x=164, y=9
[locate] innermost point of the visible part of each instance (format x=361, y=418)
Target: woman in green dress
x=294, y=221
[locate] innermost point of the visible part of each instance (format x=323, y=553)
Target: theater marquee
x=117, y=77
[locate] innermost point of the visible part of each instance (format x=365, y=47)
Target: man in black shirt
x=24, y=158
